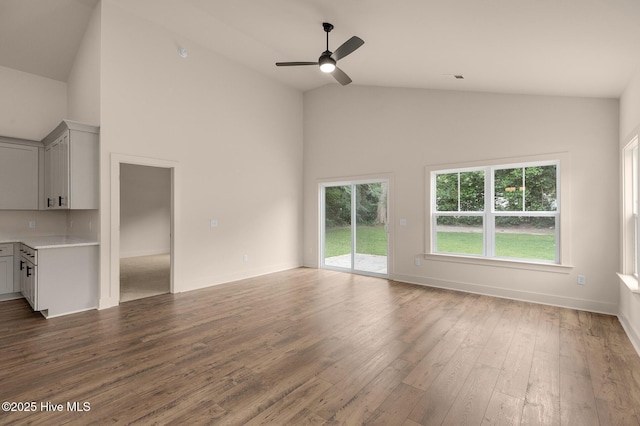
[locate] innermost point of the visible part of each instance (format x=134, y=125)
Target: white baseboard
x=45, y=313
x=11, y=296
x=631, y=333
x=236, y=276
x=525, y=296
x=150, y=252
x=107, y=302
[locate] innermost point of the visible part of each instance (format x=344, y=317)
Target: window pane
x=540, y=189
x=525, y=237
x=634, y=184
x=635, y=245
x=508, y=189
x=447, y=192
x=460, y=191
x=472, y=191
x=337, y=235
x=459, y=234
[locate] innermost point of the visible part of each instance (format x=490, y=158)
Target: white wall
x=83, y=105
x=235, y=136
x=355, y=130
x=629, y=303
x=83, y=84
x=30, y=106
x=145, y=210
x=14, y=224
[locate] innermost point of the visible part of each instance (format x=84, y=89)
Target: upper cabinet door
x=18, y=177
x=56, y=170
x=49, y=153
x=71, y=167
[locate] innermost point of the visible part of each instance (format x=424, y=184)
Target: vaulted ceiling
x=558, y=47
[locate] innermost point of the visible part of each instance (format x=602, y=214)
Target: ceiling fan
x=328, y=59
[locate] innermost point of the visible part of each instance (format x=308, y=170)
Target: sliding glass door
x=354, y=226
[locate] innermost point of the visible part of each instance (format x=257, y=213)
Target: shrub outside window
x=506, y=211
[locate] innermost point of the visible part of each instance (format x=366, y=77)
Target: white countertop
x=55, y=241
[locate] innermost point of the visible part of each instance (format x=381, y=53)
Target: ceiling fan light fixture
x=327, y=64
x=327, y=60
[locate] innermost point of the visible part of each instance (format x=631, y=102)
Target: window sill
x=501, y=263
x=630, y=281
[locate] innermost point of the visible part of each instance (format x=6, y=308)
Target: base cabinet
x=29, y=284
x=62, y=280
x=6, y=268
x=28, y=277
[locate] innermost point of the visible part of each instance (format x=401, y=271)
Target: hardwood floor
x=319, y=347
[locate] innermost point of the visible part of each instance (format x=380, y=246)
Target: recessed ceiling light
x=182, y=52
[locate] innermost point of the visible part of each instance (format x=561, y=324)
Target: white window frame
x=630, y=206
x=562, y=259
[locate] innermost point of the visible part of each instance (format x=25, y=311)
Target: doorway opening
x=354, y=226
x=145, y=231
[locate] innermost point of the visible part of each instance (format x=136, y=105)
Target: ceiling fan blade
x=347, y=47
x=341, y=76
x=294, y=64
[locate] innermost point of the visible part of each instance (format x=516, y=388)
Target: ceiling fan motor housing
x=326, y=62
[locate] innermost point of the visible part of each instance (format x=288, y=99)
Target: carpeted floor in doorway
x=144, y=276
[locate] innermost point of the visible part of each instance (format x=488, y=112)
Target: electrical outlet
x=32, y=224
x=582, y=280
x=213, y=223
x=245, y=258
x=417, y=261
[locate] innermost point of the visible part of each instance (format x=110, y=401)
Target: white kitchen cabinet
x=28, y=276
x=18, y=174
x=71, y=167
x=59, y=279
x=6, y=268
x=56, y=183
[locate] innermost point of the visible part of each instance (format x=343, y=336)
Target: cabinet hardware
x=21, y=265
x=29, y=268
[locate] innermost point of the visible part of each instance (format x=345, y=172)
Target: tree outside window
x=504, y=212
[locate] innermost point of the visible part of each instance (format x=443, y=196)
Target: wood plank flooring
x=313, y=347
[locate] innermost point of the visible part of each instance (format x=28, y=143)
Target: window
x=630, y=209
x=634, y=184
x=498, y=211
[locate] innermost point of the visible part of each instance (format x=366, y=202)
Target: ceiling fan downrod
x=327, y=29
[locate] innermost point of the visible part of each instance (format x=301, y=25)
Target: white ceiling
x=559, y=47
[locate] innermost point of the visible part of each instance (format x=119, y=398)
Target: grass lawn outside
x=369, y=240
x=508, y=244
x=516, y=245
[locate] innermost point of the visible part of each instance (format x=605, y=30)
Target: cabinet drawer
x=6, y=249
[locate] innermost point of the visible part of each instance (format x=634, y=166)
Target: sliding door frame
x=352, y=181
